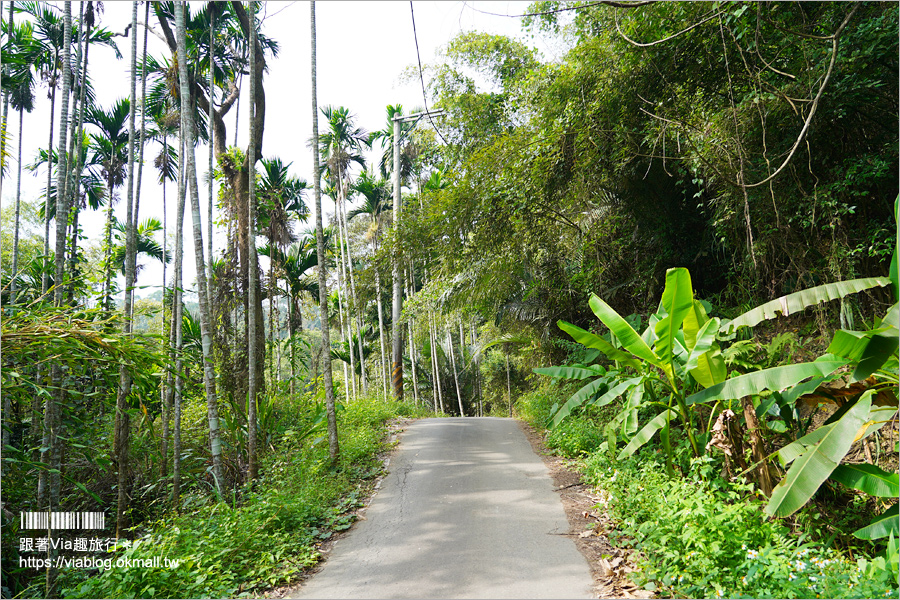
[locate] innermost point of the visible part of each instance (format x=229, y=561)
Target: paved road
x=466, y=511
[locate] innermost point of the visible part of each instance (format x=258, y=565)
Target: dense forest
x=674, y=246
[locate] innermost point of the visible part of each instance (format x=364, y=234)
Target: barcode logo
x=62, y=520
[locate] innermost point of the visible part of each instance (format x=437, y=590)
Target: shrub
x=705, y=540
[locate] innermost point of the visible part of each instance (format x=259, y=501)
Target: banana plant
x=676, y=363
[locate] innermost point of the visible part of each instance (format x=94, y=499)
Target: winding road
x=467, y=511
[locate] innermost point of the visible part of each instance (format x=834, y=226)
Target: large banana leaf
x=877, y=351
x=884, y=525
x=705, y=362
x=693, y=321
x=677, y=301
x=627, y=336
x=647, y=432
x=869, y=479
x=877, y=418
x=591, y=340
x=577, y=399
x=775, y=379
x=818, y=462
x=571, y=372
x=792, y=303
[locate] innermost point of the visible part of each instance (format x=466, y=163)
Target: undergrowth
x=226, y=551
x=700, y=536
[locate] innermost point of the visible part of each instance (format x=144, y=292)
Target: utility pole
x=397, y=305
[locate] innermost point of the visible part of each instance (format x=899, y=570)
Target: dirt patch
x=610, y=565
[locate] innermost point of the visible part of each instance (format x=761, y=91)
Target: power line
x=421, y=76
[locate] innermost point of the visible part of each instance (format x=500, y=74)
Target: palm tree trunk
x=353, y=296
x=53, y=454
x=412, y=347
x=253, y=351
x=122, y=427
x=333, y=448
x=345, y=250
x=212, y=129
x=344, y=322
x=45, y=280
x=165, y=396
x=176, y=328
x=205, y=330
x=508, y=386
x=15, y=259
x=6, y=94
x=142, y=140
x=439, y=402
x=384, y=369
x=477, y=362
x=76, y=204
x=462, y=412
x=73, y=171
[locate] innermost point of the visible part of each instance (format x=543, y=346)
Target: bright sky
x=363, y=47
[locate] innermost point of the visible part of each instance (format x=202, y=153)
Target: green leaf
x=884, y=525
x=775, y=379
x=677, y=301
x=848, y=344
x=792, y=303
x=577, y=399
x=818, y=462
x=617, y=391
x=705, y=363
x=796, y=448
x=647, y=432
x=869, y=479
x=627, y=336
x=876, y=352
x=570, y=372
x=630, y=423
x=693, y=321
x=591, y=340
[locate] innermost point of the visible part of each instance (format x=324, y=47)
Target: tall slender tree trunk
x=508, y=385
x=76, y=202
x=253, y=351
x=5, y=115
x=437, y=365
x=344, y=322
x=345, y=287
x=45, y=280
x=397, y=296
x=15, y=258
x=177, y=321
x=53, y=454
x=333, y=448
x=187, y=118
x=384, y=368
x=412, y=346
x=462, y=411
x=141, y=141
x=476, y=359
x=167, y=384
x=353, y=296
x=122, y=427
x=211, y=7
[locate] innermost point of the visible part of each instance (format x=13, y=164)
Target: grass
x=226, y=551
x=699, y=536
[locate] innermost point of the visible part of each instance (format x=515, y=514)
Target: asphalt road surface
x=467, y=511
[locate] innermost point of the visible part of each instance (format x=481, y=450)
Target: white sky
x=363, y=47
